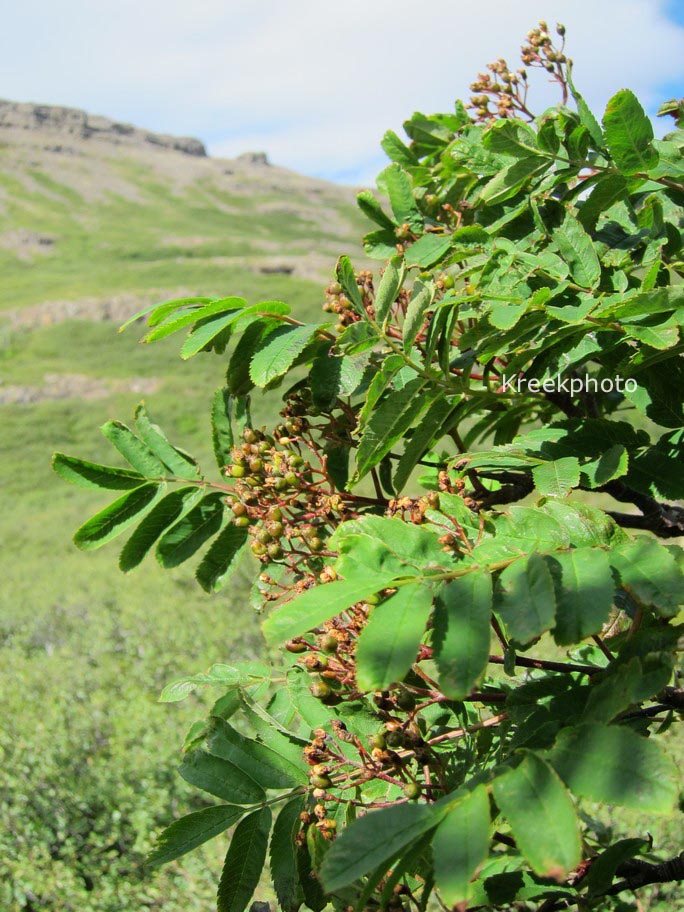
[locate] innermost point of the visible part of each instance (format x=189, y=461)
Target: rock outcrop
x=72, y=122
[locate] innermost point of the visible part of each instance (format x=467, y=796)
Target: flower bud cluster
x=502, y=92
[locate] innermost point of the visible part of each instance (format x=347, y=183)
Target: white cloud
x=315, y=84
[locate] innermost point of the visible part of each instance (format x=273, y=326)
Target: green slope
x=87, y=756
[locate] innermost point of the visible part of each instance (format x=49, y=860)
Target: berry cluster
x=395, y=753
x=338, y=303
x=279, y=497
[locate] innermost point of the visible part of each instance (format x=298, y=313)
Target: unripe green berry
x=241, y=522
x=275, y=513
x=379, y=740
x=321, y=782
x=256, y=464
x=264, y=537
x=405, y=700
x=412, y=791
x=275, y=551
x=237, y=471
x=328, y=643
x=316, y=544
x=258, y=549
x=395, y=738
x=321, y=690
x=291, y=479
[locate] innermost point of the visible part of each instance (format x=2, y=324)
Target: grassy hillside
x=86, y=237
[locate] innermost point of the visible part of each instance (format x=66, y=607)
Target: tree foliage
x=477, y=646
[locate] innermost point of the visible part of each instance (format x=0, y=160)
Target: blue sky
x=315, y=83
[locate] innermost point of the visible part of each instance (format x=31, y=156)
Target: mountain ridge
x=76, y=122
x=95, y=214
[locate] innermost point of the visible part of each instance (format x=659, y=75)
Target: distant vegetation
x=85, y=651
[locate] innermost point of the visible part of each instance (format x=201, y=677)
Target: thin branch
x=638, y=873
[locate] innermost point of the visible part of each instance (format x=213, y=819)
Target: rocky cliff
x=76, y=124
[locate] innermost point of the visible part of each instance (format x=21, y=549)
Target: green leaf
x=610, y=188
x=389, y=642
x=219, y=675
x=434, y=425
x=651, y=574
x=602, y=871
x=612, y=463
x=388, y=424
x=314, y=897
x=629, y=134
x=260, y=761
x=92, y=475
x=400, y=192
x=555, y=479
x=460, y=845
x=541, y=815
x=587, y=118
x=222, y=559
x=372, y=209
x=221, y=427
x=616, y=690
x=385, y=546
x=398, y=151
x=238, y=381
x=504, y=315
x=133, y=450
x=187, y=535
x=428, y=250
x=462, y=632
x=117, y=517
x=421, y=299
x=380, y=244
x=160, y=311
x=658, y=337
x=317, y=605
x=577, y=249
x=371, y=840
x=584, y=594
x=510, y=181
x=611, y=764
x=283, y=857
x=193, y=830
x=278, y=352
x=325, y=377
x=511, y=137
x=388, y=289
x=220, y=778
x=176, y=461
x=244, y=862
x=191, y=315
x=345, y=276
x=526, y=599
x=205, y=332
x=161, y=516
